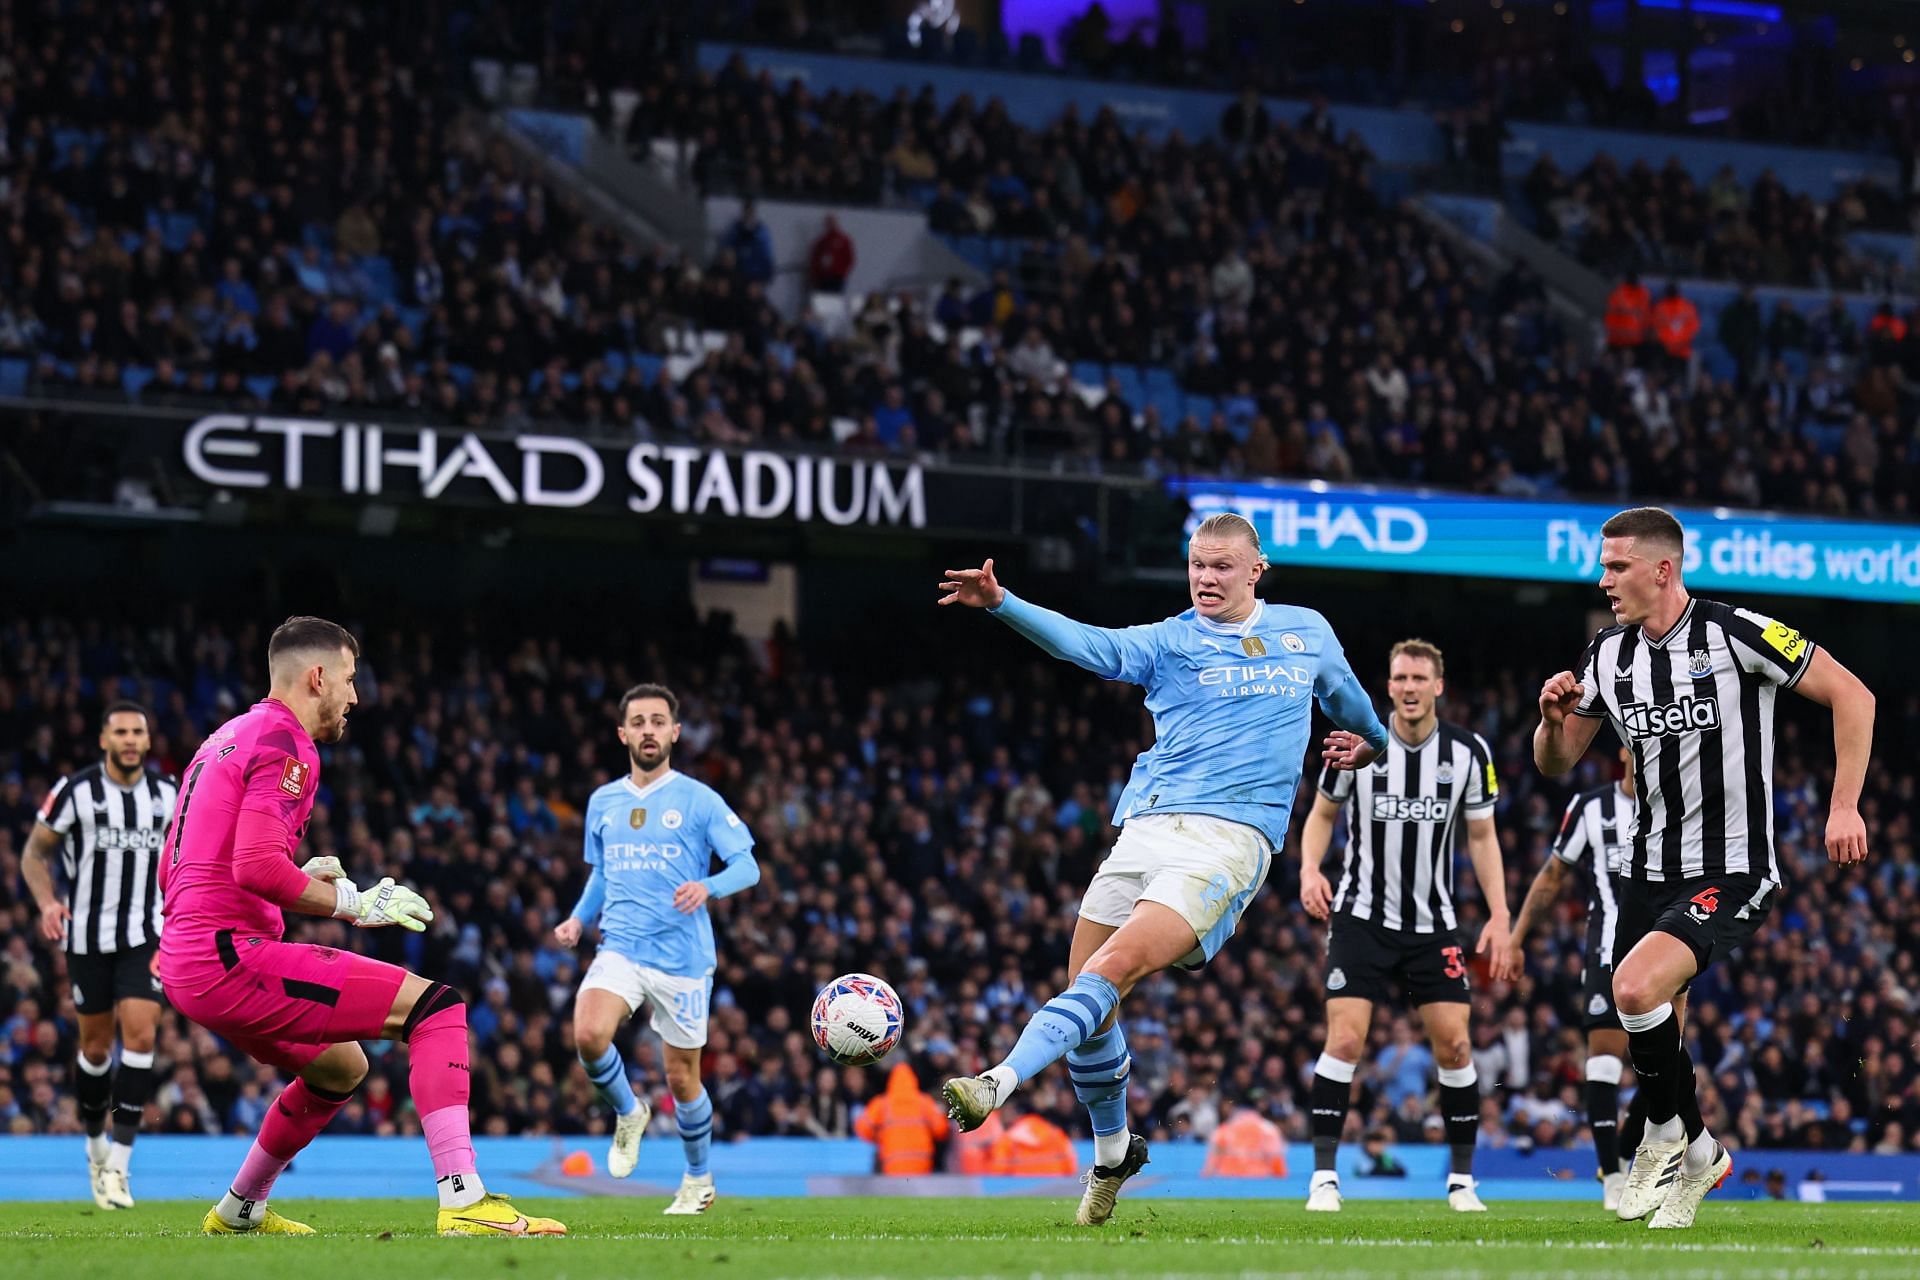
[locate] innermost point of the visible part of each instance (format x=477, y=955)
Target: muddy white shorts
x=1206, y=868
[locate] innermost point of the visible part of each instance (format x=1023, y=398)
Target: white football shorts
x=1206, y=868
x=679, y=1003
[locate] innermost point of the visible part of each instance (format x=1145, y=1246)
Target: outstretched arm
x=1832, y=685
x=1116, y=654
x=1361, y=736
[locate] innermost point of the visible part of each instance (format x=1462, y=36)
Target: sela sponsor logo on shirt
x=1662, y=720
x=134, y=838
x=1246, y=679
x=1411, y=808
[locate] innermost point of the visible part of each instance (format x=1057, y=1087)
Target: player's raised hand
x=1559, y=696
x=1343, y=750
x=1316, y=893
x=1846, y=837
x=976, y=588
x=567, y=932
x=53, y=921
x=327, y=869
x=692, y=895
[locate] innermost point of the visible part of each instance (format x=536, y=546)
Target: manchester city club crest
x=1699, y=663
x=637, y=819
x=1444, y=775
x=1337, y=980
x=671, y=820
x=1292, y=643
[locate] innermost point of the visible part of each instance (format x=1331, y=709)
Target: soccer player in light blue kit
x=1231, y=684
x=650, y=839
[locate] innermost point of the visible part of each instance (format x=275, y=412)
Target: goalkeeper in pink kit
x=228, y=874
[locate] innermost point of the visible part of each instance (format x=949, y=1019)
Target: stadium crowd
x=318, y=232
x=1662, y=222
x=933, y=829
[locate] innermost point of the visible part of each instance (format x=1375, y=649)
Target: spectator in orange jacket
x=1676, y=322
x=1629, y=317
x=973, y=1152
x=1246, y=1145
x=905, y=1124
x=1034, y=1147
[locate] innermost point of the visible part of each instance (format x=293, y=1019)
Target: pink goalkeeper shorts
x=282, y=1003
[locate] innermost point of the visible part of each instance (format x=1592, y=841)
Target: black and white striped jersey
x=1696, y=710
x=1398, y=866
x=1593, y=837
x=111, y=844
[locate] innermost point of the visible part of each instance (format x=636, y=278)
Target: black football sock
x=1633, y=1127
x=132, y=1090
x=1653, y=1041
x=1687, y=1096
x=1328, y=1100
x=1603, y=1117
x=93, y=1092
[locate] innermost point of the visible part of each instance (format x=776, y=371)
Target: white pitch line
x=1344, y=1242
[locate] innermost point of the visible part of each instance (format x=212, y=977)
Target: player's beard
x=335, y=727
x=643, y=761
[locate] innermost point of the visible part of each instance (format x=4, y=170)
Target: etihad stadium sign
x=429, y=464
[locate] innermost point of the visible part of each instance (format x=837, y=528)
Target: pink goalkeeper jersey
x=263, y=757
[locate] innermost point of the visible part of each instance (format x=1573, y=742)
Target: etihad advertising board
x=1337, y=527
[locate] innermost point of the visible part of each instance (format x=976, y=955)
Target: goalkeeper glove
x=327, y=868
x=384, y=904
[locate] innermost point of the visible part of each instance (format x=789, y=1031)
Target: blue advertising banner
x=198, y=1169
x=1334, y=527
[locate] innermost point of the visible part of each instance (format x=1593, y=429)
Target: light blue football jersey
x=647, y=842
x=1232, y=704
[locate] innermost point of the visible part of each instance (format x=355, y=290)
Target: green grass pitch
x=624, y=1238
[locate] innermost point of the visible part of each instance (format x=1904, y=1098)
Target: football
x=857, y=1019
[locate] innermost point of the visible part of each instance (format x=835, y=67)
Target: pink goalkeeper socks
x=295, y=1119
x=442, y=1084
